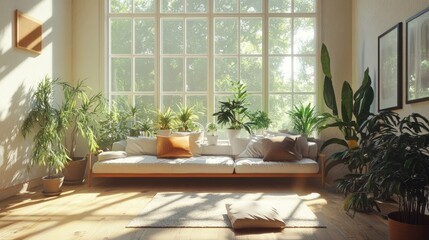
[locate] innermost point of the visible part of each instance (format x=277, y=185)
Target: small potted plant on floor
x=48, y=149
x=234, y=112
x=212, y=133
x=79, y=113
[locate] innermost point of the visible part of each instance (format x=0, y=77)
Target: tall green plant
x=234, y=111
x=187, y=118
x=355, y=107
x=165, y=119
x=48, y=149
x=112, y=127
x=79, y=113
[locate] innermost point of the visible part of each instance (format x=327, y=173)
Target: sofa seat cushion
x=258, y=165
x=152, y=165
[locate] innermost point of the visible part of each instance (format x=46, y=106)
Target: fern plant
x=305, y=119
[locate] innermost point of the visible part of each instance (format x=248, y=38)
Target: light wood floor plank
x=103, y=211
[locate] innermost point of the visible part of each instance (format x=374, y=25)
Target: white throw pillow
x=253, y=215
x=195, y=140
x=254, y=149
x=111, y=155
x=141, y=146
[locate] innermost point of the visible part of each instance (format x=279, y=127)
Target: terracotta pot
x=212, y=140
x=400, y=231
x=74, y=172
x=52, y=185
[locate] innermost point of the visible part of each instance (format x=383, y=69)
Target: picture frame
x=28, y=33
x=417, y=57
x=390, y=69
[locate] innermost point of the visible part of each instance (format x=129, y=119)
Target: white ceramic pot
x=212, y=139
x=233, y=134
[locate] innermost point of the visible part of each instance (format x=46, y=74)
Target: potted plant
x=165, y=122
x=398, y=150
x=78, y=113
x=234, y=111
x=305, y=120
x=48, y=149
x=260, y=121
x=186, y=119
x=212, y=133
x=355, y=109
x=112, y=127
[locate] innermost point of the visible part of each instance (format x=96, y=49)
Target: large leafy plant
x=233, y=111
x=355, y=109
x=398, y=150
x=187, y=119
x=44, y=117
x=165, y=119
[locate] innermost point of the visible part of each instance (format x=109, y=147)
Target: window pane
x=279, y=105
x=145, y=74
x=226, y=70
x=172, y=36
x=196, y=74
x=280, y=35
x=304, y=36
x=226, y=6
x=145, y=105
x=226, y=41
x=280, y=6
x=172, y=74
x=251, y=6
x=120, y=36
x=251, y=72
x=307, y=6
x=146, y=6
x=304, y=99
x=172, y=6
x=303, y=74
x=171, y=101
x=251, y=36
x=196, y=6
x=121, y=6
x=280, y=74
x=255, y=102
x=121, y=74
x=196, y=36
x=122, y=102
x=200, y=106
x=145, y=36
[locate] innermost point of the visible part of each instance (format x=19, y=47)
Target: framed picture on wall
x=418, y=57
x=28, y=33
x=390, y=69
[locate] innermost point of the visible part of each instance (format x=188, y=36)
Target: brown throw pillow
x=173, y=147
x=280, y=149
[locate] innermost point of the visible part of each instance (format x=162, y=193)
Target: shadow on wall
x=14, y=150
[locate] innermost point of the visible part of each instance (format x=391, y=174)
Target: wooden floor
x=103, y=211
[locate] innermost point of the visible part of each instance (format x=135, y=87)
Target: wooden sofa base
x=320, y=174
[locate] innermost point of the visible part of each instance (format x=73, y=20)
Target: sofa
x=244, y=157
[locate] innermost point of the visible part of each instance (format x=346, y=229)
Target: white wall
x=20, y=71
x=370, y=20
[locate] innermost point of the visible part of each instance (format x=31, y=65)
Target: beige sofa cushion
x=141, y=146
x=253, y=215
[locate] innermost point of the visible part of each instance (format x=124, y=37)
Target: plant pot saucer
x=50, y=194
x=74, y=182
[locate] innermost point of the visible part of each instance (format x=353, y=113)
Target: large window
x=162, y=52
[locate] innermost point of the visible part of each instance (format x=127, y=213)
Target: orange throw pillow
x=173, y=147
x=280, y=149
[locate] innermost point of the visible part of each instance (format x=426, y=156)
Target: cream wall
x=371, y=19
x=20, y=71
